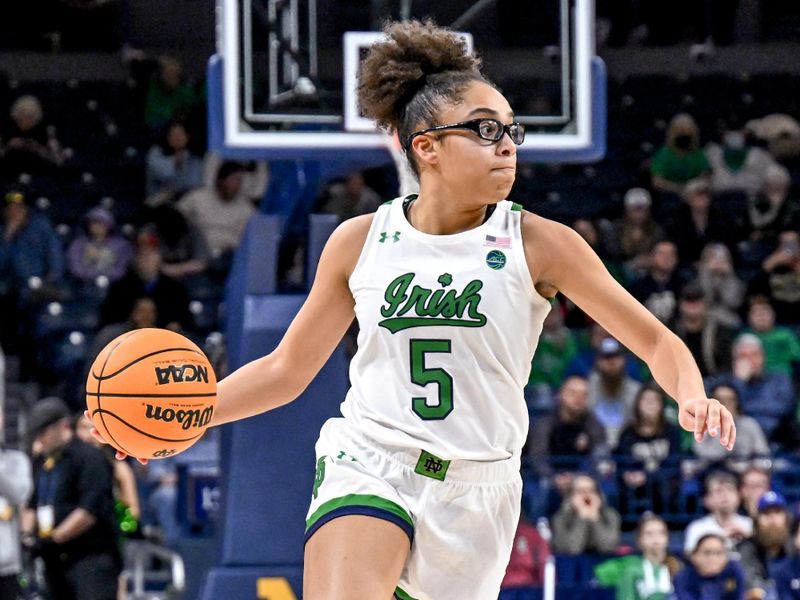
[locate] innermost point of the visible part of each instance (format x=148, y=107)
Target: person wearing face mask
x=680, y=159
x=736, y=166
x=772, y=210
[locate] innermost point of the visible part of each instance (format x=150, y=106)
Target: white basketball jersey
x=448, y=328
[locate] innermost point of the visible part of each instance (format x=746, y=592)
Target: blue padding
x=268, y=461
x=368, y=511
x=239, y=583
x=320, y=229
x=260, y=248
x=268, y=467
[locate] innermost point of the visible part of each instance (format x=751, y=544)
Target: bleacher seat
x=59, y=317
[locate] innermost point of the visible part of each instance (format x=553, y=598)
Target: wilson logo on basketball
x=187, y=418
x=181, y=374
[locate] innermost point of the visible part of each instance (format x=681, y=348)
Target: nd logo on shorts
x=496, y=260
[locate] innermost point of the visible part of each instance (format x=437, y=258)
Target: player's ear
x=425, y=148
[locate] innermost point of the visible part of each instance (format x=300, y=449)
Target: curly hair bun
x=412, y=56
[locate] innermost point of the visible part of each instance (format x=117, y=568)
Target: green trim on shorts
x=402, y=595
x=359, y=500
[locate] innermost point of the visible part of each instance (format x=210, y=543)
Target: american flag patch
x=497, y=242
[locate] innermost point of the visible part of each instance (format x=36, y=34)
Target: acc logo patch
x=496, y=260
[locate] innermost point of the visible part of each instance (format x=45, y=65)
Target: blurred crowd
x=708, y=240
x=710, y=244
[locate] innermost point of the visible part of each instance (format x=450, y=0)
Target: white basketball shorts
x=460, y=515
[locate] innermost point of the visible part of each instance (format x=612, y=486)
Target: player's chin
x=502, y=189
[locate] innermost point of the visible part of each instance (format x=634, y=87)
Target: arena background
x=101, y=71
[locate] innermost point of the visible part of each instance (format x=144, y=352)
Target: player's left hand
x=707, y=415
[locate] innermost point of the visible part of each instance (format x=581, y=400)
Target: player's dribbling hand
x=96, y=435
x=707, y=415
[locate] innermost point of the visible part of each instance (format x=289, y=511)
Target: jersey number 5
x=423, y=376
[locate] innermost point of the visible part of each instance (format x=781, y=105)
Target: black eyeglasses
x=490, y=130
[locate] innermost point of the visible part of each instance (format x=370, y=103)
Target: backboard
x=282, y=83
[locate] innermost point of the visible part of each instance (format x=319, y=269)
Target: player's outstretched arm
x=281, y=376
x=559, y=258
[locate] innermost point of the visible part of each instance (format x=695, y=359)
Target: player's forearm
x=75, y=523
x=257, y=387
x=674, y=368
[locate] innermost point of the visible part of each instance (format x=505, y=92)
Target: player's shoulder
x=353, y=232
x=549, y=247
x=540, y=231
x=347, y=241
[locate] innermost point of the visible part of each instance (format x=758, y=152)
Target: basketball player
x=417, y=493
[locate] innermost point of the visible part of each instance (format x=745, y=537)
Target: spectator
x=723, y=290
x=126, y=493
x=779, y=278
x=219, y=213
x=557, y=347
x=787, y=574
x=172, y=169
x=767, y=398
x=145, y=279
x=255, y=175
x=29, y=246
x=350, y=198
x=660, y=287
x=583, y=363
x=771, y=543
x=585, y=523
x=590, y=232
x=161, y=501
x=710, y=572
x=780, y=132
x=184, y=251
x=529, y=555
x=722, y=500
x=649, y=578
x=680, y=159
x=168, y=97
x=611, y=391
x=750, y=440
x=27, y=145
x=709, y=340
x=771, y=211
x=31, y=269
x=648, y=441
x=736, y=165
x=754, y=482
x=781, y=344
x=16, y=485
x=143, y=314
x=636, y=232
x=570, y=431
x=70, y=517
x=698, y=222
x=99, y=250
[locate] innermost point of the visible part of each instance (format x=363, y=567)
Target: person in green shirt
x=168, y=96
x=557, y=347
x=781, y=346
x=680, y=159
x=650, y=577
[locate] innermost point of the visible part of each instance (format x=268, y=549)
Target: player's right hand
x=96, y=435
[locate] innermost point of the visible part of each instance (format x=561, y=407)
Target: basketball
x=151, y=393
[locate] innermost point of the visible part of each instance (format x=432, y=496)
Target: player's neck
x=439, y=212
